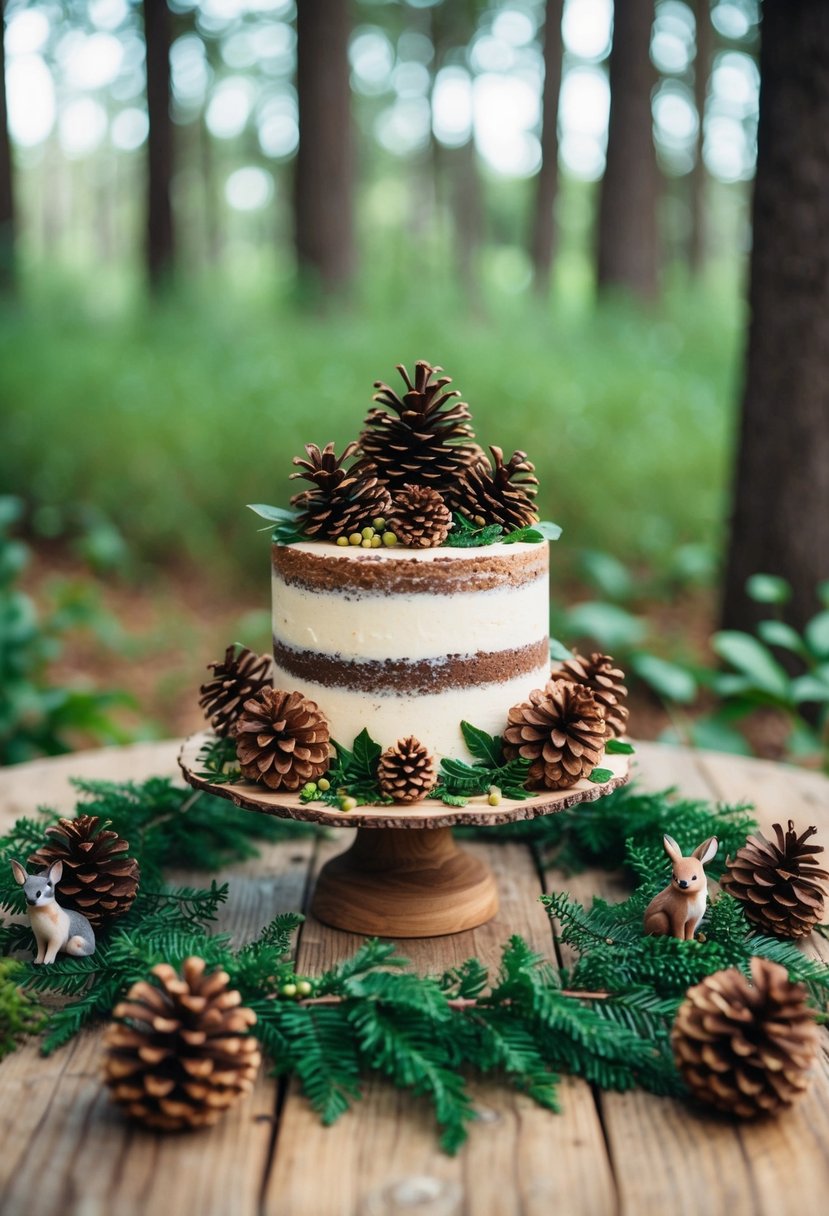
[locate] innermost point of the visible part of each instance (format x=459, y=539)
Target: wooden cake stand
x=394, y=882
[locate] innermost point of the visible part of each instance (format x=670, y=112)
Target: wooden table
x=64, y=1150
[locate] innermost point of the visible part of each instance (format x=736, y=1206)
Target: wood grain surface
x=66, y=1152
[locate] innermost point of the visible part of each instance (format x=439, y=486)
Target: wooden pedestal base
x=405, y=884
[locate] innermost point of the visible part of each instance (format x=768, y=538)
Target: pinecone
x=426, y=439
x=179, y=1053
x=98, y=880
x=406, y=772
x=419, y=517
x=236, y=678
x=778, y=884
x=561, y=730
x=746, y=1048
x=342, y=501
x=281, y=740
x=500, y=495
x=605, y=680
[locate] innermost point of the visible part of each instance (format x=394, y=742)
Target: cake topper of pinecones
x=779, y=884
x=419, y=517
x=423, y=437
x=561, y=730
x=241, y=674
x=99, y=879
x=179, y=1053
x=341, y=501
x=746, y=1048
x=498, y=493
x=607, y=683
x=406, y=772
x=282, y=740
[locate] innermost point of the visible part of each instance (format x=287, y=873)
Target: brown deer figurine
x=680, y=907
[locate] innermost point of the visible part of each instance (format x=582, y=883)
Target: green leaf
x=752, y=659
x=277, y=515
x=548, y=529
x=559, y=653
x=483, y=746
x=607, y=574
x=768, y=589
x=465, y=535
x=778, y=633
x=817, y=635
x=617, y=747
x=366, y=755
x=527, y=535
x=809, y=688
x=600, y=775
x=669, y=680
x=613, y=627
x=450, y=799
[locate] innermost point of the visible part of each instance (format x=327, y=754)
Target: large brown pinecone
x=179, y=1053
x=746, y=1048
x=605, y=680
x=282, y=740
x=423, y=437
x=560, y=729
x=341, y=501
x=499, y=493
x=779, y=885
x=419, y=517
x=236, y=678
x=98, y=878
x=406, y=772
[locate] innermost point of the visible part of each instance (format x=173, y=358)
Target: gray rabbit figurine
x=55, y=928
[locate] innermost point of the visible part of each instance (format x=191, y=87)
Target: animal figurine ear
x=707, y=850
x=54, y=872
x=19, y=872
x=672, y=849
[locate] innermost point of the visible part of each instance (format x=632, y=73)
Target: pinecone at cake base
x=605, y=680
x=746, y=1048
x=236, y=678
x=419, y=518
x=502, y=494
x=98, y=880
x=341, y=501
x=179, y=1053
x=561, y=730
x=406, y=772
x=779, y=885
x=282, y=740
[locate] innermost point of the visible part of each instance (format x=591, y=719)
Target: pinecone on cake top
x=282, y=740
x=179, y=1053
x=561, y=730
x=98, y=879
x=419, y=517
x=423, y=437
x=497, y=493
x=746, y=1048
x=236, y=678
x=605, y=680
x=406, y=772
x=341, y=501
x=780, y=885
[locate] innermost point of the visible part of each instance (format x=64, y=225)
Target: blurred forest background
x=221, y=221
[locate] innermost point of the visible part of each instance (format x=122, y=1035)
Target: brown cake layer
x=412, y=676
x=369, y=573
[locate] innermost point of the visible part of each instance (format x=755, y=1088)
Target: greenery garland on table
x=606, y=1017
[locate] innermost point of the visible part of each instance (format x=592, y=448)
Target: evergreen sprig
x=458, y=780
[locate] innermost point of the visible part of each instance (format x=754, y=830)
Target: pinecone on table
x=419, y=517
x=779, y=885
x=236, y=678
x=341, y=501
x=502, y=493
x=98, y=880
x=561, y=730
x=605, y=680
x=281, y=740
x=746, y=1048
x=179, y=1053
x=423, y=437
x=406, y=772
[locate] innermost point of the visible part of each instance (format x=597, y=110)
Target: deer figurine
x=678, y=909
x=55, y=928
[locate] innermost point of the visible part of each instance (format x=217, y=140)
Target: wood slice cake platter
x=404, y=875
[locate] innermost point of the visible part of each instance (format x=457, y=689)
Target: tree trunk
x=544, y=229
x=7, y=265
x=324, y=174
x=627, y=241
x=780, y=520
x=699, y=175
x=160, y=244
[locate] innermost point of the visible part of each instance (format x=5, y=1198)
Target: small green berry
x=494, y=795
x=348, y=804
x=367, y=533
x=342, y=540
x=379, y=523
x=355, y=538
x=376, y=542
x=288, y=990
x=389, y=539
x=304, y=988
x=310, y=787
x=366, y=544
x=324, y=784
